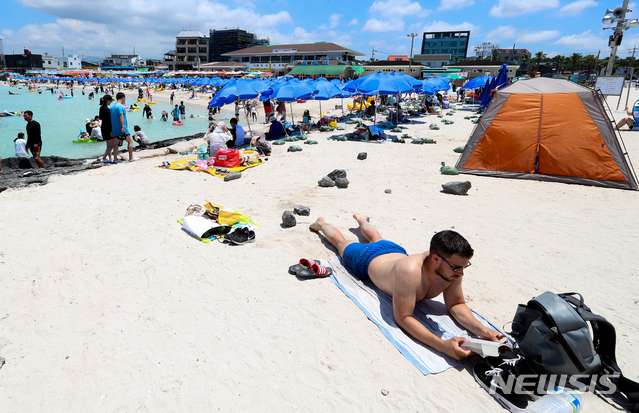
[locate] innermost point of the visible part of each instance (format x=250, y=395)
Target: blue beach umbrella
x=411, y=81
x=477, y=82
x=502, y=77
x=437, y=83
x=378, y=84
x=325, y=91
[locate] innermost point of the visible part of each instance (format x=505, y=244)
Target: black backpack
x=552, y=332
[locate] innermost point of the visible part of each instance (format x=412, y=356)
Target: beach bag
x=332, y=123
x=224, y=215
x=227, y=158
x=552, y=333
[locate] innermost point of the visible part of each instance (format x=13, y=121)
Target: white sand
x=107, y=305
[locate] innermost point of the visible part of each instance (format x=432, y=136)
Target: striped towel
x=378, y=307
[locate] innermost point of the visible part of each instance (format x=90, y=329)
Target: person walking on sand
x=172, y=97
x=107, y=131
x=34, y=138
x=119, y=125
x=412, y=278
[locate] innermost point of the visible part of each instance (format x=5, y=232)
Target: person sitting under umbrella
x=276, y=129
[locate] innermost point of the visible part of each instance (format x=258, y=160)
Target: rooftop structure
x=228, y=40
x=281, y=58
x=453, y=43
x=191, y=50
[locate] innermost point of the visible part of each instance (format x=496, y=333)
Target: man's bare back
x=412, y=278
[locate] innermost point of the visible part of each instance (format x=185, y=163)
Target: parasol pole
x=247, y=119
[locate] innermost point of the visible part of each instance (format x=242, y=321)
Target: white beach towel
x=378, y=307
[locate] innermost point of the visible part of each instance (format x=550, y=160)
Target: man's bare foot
x=361, y=217
x=317, y=225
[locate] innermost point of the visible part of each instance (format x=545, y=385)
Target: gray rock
x=341, y=182
x=385, y=392
x=337, y=173
x=288, y=219
x=302, y=210
x=388, y=191
x=326, y=182
x=232, y=176
x=457, y=188
x=362, y=155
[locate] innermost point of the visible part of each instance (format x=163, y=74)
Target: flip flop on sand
x=308, y=269
x=304, y=264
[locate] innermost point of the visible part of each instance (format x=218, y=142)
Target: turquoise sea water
x=62, y=121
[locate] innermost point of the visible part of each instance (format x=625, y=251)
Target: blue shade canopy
x=438, y=83
x=378, y=84
x=242, y=89
x=477, y=82
x=289, y=90
x=326, y=90
x=411, y=81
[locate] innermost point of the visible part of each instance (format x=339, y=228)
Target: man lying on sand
x=412, y=278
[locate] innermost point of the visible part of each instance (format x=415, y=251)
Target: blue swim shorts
x=358, y=257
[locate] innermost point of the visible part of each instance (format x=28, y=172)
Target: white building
x=281, y=58
x=50, y=62
x=123, y=60
x=71, y=61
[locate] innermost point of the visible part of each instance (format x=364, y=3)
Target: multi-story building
x=70, y=62
x=515, y=56
x=191, y=50
x=228, y=40
x=23, y=62
x=432, y=60
x=476, y=68
x=279, y=59
x=453, y=43
x=122, y=60
x=399, y=66
x=50, y=62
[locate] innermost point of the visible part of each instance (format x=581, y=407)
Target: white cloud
x=375, y=25
x=7, y=32
x=442, y=26
x=501, y=33
x=511, y=8
x=353, y=22
x=335, y=19
x=150, y=25
x=455, y=4
x=577, y=7
x=540, y=36
x=390, y=8
x=584, y=41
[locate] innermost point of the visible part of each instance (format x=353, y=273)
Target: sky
x=91, y=28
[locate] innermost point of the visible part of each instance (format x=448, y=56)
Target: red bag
x=227, y=158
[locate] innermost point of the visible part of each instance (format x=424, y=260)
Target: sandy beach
x=107, y=305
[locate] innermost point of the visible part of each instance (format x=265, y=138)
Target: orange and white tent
x=551, y=130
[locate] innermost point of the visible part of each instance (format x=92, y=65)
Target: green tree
x=524, y=58
x=540, y=56
x=575, y=59
x=561, y=62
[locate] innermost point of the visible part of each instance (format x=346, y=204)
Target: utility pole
x=617, y=15
x=373, y=53
x=410, y=61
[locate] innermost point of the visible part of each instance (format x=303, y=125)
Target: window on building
x=429, y=36
x=181, y=49
x=444, y=50
x=286, y=59
x=190, y=58
x=275, y=59
x=255, y=59
x=192, y=41
x=298, y=57
x=201, y=50
x=245, y=59
x=192, y=49
x=265, y=59
x=181, y=41
x=204, y=59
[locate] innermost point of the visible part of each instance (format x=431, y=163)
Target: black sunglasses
x=455, y=269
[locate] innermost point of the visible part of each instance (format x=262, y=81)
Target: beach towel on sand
x=378, y=307
x=193, y=164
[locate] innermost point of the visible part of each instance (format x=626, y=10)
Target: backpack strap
x=605, y=341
